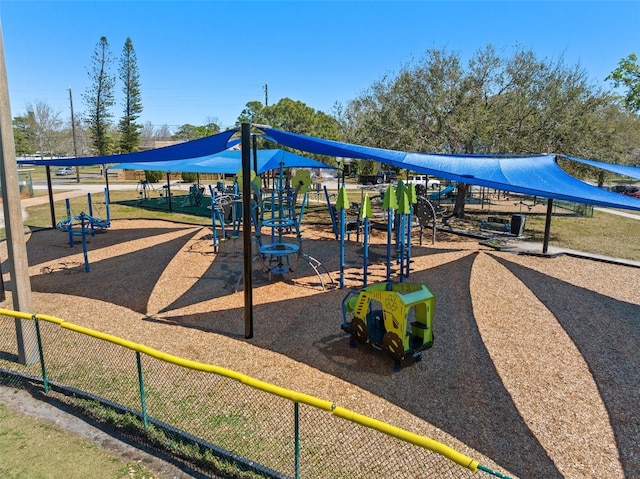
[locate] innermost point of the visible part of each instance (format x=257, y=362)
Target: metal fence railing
x=276, y=431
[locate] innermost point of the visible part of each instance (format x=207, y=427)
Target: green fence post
x=296, y=433
x=143, y=399
x=492, y=472
x=45, y=381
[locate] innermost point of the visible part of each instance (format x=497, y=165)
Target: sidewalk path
x=618, y=212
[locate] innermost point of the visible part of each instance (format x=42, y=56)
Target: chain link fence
x=217, y=419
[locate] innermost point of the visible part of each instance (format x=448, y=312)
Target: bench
x=495, y=223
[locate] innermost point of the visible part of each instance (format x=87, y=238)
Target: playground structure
x=143, y=188
x=225, y=208
x=396, y=318
x=84, y=224
x=278, y=212
x=195, y=196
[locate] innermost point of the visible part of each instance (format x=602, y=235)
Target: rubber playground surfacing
x=534, y=371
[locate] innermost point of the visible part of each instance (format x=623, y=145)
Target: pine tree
x=128, y=128
x=99, y=98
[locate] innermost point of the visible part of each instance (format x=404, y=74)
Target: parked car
x=386, y=176
x=630, y=190
x=423, y=180
x=65, y=171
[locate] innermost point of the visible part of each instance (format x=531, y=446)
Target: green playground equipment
x=396, y=318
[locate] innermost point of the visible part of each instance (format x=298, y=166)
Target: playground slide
x=437, y=194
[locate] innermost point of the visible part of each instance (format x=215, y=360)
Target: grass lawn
x=604, y=233
x=30, y=448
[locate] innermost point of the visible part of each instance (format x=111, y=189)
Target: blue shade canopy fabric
x=228, y=162
x=630, y=171
x=537, y=175
x=189, y=149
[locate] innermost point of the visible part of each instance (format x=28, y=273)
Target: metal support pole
x=143, y=397
x=45, y=379
x=52, y=207
x=547, y=226
x=14, y=227
x=106, y=176
x=296, y=433
x=246, y=229
x=169, y=192
x=255, y=153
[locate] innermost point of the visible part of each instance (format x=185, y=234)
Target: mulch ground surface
x=534, y=370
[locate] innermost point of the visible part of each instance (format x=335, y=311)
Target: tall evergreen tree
x=99, y=97
x=128, y=128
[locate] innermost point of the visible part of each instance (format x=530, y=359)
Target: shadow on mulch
x=225, y=274
x=455, y=373
x=123, y=280
x=589, y=323
x=48, y=245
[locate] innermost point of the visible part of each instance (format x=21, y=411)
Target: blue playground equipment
x=396, y=318
x=442, y=193
x=225, y=208
x=196, y=195
x=278, y=213
x=84, y=224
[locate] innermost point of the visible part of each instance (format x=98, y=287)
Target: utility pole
x=73, y=130
x=266, y=95
x=14, y=227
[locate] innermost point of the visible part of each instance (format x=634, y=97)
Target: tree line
x=515, y=103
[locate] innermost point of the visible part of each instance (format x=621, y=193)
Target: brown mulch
x=535, y=368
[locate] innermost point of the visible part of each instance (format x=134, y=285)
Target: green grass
x=40, y=215
x=39, y=173
x=603, y=234
x=188, y=451
x=30, y=448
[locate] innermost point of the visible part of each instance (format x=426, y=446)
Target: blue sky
x=206, y=59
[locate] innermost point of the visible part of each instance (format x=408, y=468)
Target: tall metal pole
x=14, y=227
x=547, y=226
x=73, y=130
x=52, y=208
x=254, y=146
x=246, y=229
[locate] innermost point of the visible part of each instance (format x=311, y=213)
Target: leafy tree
x=99, y=98
x=42, y=127
x=147, y=135
x=628, y=75
x=492, y=105
x=188, y=177
x=252, y=113
x=24, y=134
x=190, y=132
x=153, y=176
x=163, y=133
x=293, y=116
x=128, y=128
